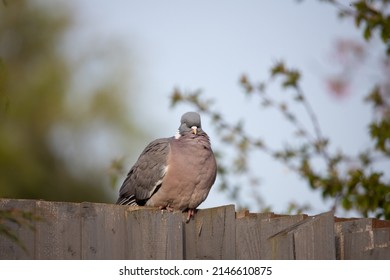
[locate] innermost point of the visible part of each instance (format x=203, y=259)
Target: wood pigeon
x=173, y=173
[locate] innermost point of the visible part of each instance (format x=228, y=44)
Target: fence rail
x=107, y=231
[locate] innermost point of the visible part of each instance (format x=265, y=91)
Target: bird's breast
x=191, y=173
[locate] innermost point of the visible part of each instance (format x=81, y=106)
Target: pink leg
x=191, y=213
x=168, y=208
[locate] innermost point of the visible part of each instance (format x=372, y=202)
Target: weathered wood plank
x=253, y=232
x=103, y=231
x=10, y=250
x=311, y=239
x=211, y=234
x=362, y=239
x=269, y=228
x=315, y=240
x=376, y=254
x=248, y=235
x=343, y=229
x=382, y=237
x=58, y=233
x=154, y=234
x=361, y=246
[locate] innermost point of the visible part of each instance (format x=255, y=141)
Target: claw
x=191, y=213
x=168, y=208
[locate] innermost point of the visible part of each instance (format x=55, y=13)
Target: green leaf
x=346, y=203
x=292, y=79
x=279, y=68
x=375, y=97
x=380, y=133
x=358, y=20
x=367, y=33
x=365, y=158
x=385, y=34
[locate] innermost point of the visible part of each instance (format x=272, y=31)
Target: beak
x=194, y=129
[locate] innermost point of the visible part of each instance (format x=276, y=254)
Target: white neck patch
x=177, y=135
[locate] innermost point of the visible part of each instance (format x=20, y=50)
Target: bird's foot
x=168, y=208
x=190, y=214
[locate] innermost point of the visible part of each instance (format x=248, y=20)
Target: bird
x=174, y=173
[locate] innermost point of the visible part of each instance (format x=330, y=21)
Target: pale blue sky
x=208, y=45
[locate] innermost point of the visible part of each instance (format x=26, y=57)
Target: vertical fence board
x=211, y=234
x=248, y=232
x=362, y=239
x=103, y=231
x=348, y=235
x=311, y=239
x=58, y=233
x=272, y=247
x=9, y=249
x=253, y=236
x=376, y=254
x=316, y=240
x=355, y=245
x=382, y=237
x=154, y=234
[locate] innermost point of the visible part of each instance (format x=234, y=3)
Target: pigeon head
x=190, y=123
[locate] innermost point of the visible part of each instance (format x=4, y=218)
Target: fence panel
x=57, y=234
x=107, y=231
x=362, y=239
x=154, y=234
x=10, y=249
x=103, y=232
x=248, y=235
x=211, y=235
x=311, y=239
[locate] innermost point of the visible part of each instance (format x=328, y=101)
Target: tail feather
x=130, y=200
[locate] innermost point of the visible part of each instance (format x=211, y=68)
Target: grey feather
x=173, y=173
x=145, y=177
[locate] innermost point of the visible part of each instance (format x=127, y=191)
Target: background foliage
x=54, y=114
x=354, y=182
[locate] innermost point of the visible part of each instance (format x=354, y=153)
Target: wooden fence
x=106, y=231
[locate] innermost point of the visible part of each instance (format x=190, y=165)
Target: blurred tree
x=53, y=133
x=355, y=182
